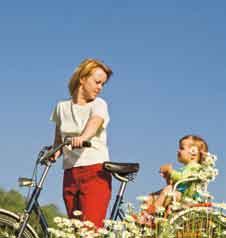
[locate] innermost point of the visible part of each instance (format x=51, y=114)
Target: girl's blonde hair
x=199, y=142
x=84, y=70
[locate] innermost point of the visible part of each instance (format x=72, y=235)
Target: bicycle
x=18, y=225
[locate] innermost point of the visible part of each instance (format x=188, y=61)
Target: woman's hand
x=57, y=141
x=55, y=156
x=77, y=142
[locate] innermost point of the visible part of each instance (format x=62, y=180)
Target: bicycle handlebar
x=68, y=141
x=50, y=153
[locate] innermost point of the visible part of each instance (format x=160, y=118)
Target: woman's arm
x=57, y=137
x=57, y=141
x=90, y=130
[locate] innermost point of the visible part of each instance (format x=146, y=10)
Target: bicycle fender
x=17, y=217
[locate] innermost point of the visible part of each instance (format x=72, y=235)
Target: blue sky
x=169, y=63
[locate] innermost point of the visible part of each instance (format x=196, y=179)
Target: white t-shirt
x=71, y=119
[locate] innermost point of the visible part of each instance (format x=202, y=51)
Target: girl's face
x=188, y=152
x=93, y=84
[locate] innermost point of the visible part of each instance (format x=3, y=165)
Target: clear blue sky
x=169, y=63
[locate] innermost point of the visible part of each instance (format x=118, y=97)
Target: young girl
x=86, y=186
x=191, y=153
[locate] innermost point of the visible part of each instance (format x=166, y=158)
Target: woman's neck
x=78, y=98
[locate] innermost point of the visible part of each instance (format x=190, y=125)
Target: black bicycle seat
x=121, y=168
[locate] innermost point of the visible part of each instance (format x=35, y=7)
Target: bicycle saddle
x=121, y=168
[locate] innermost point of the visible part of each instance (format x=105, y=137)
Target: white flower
x=144, y=206
x=175, y=206
x=77, y=213
x=77, y=223
x=118, y=226
x=223, y=219
x=142, y=198
x=16, y=225
x=126, y=234
x=102, y=231
x=88, y=224
x=209, y=161
x=66, y=222
x=220, y=205
x=83, y=230
x=57, y=219
x=112, y=235
x=108, y=222
x=129, y=218
x=189, y=200
x=51, y=229
x=160, y=210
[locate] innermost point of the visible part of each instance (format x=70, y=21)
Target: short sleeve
x=100, y=108
x=186, y=172
x=176, y=175
x=55, y=117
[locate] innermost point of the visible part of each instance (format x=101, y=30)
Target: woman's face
x=188, y=152
x=93, y=84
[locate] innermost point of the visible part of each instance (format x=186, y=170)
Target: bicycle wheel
x=9, y=223
x=198, y=222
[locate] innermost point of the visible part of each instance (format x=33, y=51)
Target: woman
x=86, y=186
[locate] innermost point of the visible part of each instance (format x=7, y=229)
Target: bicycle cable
x=35, y=172
x=33, y=178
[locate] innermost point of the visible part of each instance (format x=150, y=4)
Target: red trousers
x=88, y=189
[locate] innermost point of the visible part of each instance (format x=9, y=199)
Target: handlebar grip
x=68, y=140
x=86, y=144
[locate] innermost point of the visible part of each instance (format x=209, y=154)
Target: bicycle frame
x=123, y=176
